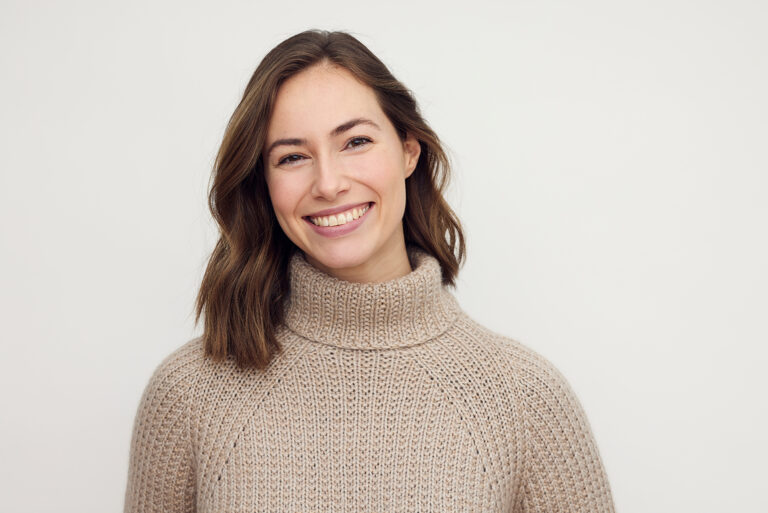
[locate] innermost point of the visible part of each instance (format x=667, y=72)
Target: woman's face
x=330, y=149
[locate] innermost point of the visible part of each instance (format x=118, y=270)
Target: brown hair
x=246, y=282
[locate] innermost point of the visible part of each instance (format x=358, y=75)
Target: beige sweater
x=387, y=397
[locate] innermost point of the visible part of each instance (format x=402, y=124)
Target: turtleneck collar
x=397, y=313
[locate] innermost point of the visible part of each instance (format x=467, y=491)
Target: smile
x=338, y=225
x=341, y=218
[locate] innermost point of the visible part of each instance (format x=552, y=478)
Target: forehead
x=319, y=99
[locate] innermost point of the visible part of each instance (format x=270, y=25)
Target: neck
x=381, y=267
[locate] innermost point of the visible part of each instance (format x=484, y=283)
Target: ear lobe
x=412, y=150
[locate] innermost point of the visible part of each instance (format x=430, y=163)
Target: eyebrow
x=348, y=125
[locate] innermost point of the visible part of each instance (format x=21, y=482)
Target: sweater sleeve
x=161, y=475
x=563, y=468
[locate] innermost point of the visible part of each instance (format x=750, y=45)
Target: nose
x=329, y=179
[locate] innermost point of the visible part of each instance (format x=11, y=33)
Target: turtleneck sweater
x=385, y=397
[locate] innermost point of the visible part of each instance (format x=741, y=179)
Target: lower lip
x=340, y=230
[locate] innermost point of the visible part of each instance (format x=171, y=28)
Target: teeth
x=340, y=218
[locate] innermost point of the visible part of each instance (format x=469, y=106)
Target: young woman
x=336, y=371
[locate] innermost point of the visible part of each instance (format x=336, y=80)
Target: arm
x=563, y=469
x=161, y=475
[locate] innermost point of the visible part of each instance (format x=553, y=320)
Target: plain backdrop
x=610, y=172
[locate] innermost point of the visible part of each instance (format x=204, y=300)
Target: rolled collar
x=393, y=314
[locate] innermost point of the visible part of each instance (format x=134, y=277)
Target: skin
x=320, y=169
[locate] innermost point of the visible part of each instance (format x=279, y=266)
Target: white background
x=610, y=172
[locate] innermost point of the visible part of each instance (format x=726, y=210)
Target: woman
x=336, y=371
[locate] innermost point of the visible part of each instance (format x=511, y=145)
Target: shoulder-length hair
x=246, y=281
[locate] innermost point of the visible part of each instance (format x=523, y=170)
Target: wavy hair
x=242, y=293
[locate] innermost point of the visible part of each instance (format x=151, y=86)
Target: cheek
x=284, y=202
x=284, y=195
x=383, y=172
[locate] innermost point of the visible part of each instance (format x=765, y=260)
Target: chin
x=339, y=257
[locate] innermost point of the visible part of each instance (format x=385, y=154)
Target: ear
x=412, y=150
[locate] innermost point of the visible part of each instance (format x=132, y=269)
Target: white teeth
x=339, y=219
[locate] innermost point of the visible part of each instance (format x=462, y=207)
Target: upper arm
x=161, y=475
x=563, y=468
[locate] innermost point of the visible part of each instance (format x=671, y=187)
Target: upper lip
x=336, y=210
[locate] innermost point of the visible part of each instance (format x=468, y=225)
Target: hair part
x=246, y=283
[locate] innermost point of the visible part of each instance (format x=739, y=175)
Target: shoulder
x=532, y=374
x=182, y=361
x=173, y=378
x=547, y=407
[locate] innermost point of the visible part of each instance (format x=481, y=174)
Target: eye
x=289, y=159
x=357, y=142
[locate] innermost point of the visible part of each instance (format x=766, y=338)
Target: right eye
x=289, y=159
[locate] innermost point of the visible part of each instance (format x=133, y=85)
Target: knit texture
x=386, y=397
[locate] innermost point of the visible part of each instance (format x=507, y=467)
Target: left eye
x=356, y=142
x=289, y=159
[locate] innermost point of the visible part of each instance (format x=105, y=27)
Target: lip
x=340, y=230
x=336, y=210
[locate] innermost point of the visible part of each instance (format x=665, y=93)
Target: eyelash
x=288, y=159
x=365, y=139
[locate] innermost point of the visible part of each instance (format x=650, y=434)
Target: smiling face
x=331, y=148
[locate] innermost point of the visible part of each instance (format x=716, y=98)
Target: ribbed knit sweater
x=386, y=397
